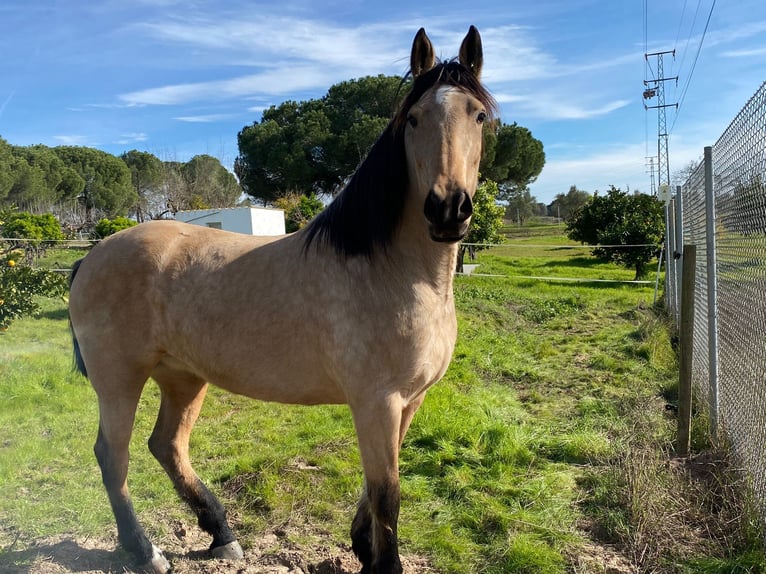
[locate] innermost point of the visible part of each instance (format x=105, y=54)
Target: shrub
x=106, y=227
x=20, y=284
x=32, y=233
x=299, y=209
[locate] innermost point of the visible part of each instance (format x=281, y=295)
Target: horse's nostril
x=464, y=206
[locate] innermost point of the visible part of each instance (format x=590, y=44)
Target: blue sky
x=180, y=78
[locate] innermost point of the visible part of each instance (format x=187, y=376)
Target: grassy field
x=547, y=447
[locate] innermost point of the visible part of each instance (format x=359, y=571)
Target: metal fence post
x=686, y=336
x=669, y=299
x=679, y=248
x=712, y=291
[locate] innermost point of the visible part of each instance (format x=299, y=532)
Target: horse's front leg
x=374, y=529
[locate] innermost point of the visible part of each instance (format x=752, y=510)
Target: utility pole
x=652, y=186
x=656, y=88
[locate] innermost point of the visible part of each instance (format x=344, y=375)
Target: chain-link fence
x=722, y=208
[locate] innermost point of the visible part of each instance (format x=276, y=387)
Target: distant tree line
x=138, y=184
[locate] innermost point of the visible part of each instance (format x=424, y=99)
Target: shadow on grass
x=55, y=314
x=579, y=262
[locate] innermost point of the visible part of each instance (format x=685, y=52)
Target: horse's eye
x=412, y=120
x=481, y=117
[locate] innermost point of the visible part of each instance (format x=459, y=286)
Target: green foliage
x=6, y=169
x=136, y=183
x=20, y=285
x=514, y=159
x=209, y=184
x=299, y=209
x=487, y=218
x=313, y=146
x=486, y=221
x=108, y=186
x=566, y=205
x=146, y=174
x=619, y=218
x=106, y=227
x=23, y=225
x=521, y=205
x=33, y=234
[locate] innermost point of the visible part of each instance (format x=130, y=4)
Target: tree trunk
x=460, y=257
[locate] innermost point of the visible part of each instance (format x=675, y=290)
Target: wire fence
x=721, y=210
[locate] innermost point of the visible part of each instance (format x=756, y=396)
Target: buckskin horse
x=355, y=308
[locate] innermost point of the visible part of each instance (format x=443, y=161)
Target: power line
x=678, y=34
x=694, y=64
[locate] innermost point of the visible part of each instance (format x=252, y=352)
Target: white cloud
x=271, y=82
x=744, y=53
x=131, y=138
x=262, y=39
x=73, y=139
x=6, y=101
x=204, y=118
x=548, y=106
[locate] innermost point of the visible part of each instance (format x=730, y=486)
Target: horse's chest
x=407, y=350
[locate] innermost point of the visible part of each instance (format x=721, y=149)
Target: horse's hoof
x=157, y=565
x=230, y=551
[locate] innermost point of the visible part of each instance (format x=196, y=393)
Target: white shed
x=247, y=220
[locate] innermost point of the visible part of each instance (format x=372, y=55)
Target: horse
x=356, y=308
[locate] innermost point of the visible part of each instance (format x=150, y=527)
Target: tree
x=285, y=151
x=108, y=187
x=681, y=176
x=513, y=160
x=6, y=163
x=486, y=222
x=521, y=205
x=299, y=209
x=20, y=284
x=313, y=146
x=621, y=219
x=35, y=177
x=208, y=184
x=565, y=205
x=146, y=175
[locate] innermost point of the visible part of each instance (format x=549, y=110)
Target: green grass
x=516, y=458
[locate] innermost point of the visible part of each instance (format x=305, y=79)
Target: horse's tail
x=79, y=364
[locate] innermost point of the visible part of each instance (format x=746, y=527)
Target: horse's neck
x=425, y=262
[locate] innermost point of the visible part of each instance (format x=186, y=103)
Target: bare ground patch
x=186, y=549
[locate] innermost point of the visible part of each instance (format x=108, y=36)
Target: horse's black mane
x=367, y=212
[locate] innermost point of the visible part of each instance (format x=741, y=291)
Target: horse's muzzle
x=448, y=218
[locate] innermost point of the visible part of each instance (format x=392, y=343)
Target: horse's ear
x=471, y=53
x=422, y=58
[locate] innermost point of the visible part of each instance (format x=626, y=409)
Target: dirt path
x=270, y=553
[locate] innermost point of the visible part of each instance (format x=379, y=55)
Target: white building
x=247, y=220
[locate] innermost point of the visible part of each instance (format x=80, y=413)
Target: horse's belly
x=265, y=381
x=307, y=391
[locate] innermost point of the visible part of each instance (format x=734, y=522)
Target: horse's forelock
x=451, y=73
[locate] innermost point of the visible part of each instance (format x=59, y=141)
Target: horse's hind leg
x=182, y=398
x=117, y=414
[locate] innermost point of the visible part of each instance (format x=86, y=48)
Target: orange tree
x=21, y=285
x=632, y=225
